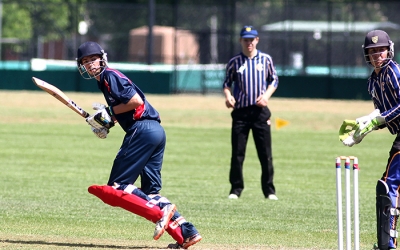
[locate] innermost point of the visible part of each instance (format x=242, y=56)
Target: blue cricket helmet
x=87, y=49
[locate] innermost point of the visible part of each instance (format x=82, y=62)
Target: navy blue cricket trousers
x=141, y=154
x=392, y=178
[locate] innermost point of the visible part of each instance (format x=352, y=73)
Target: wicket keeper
x=384, y=89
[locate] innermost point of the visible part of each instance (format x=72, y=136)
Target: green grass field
x=49, y=158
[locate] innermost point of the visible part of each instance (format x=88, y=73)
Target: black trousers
x=256, y=119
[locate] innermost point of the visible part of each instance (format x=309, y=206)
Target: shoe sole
x=192, y=242
x=168, y=218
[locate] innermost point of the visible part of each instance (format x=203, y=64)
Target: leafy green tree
x=45, y=19
x=16, y=27
x=52, y=19
x=16, y=22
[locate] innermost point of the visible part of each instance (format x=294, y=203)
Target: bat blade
x=59, y=95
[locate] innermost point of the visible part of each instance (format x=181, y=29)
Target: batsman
x=141, y=153
x=384, y=89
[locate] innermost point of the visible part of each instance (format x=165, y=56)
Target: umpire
x=252, y=78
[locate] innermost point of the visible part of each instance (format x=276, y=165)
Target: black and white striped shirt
x=250, y=76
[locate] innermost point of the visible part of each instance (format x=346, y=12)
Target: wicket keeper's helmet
x=87, y=49
x=378, y=38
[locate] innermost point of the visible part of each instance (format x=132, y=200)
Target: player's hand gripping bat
x=59, y=95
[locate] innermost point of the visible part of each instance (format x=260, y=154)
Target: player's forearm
x=133, y=103
x=270, y=90
x=227, y=93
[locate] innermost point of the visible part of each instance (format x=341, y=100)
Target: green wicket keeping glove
x=370, y=126
x=347, y=131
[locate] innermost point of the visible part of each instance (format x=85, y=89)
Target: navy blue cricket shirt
x=117, y=89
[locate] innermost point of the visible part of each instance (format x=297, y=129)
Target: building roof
x=325, y=26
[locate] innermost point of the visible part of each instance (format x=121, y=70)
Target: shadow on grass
x=75, y=245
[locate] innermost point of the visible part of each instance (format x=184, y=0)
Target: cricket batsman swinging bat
x=59, y=95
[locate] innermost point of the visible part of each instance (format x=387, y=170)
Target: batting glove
x=98, y=106
x=100, y=133
x=101, y=119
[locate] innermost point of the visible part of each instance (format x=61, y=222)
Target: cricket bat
x=59, y=95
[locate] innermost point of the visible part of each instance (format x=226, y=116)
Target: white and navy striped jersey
x=384, y=89
x=250, y=76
